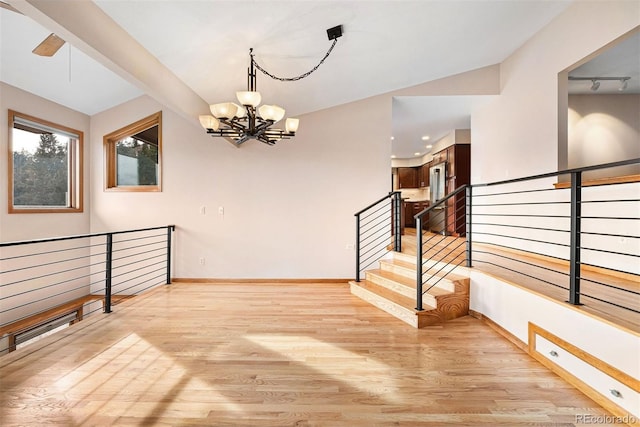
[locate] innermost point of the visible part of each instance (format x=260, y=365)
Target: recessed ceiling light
x=393, y=156
x=417, y=154
x=429, y=146
x=425, y=138
x=392, y=138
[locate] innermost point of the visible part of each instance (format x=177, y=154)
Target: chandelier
x=238, y=123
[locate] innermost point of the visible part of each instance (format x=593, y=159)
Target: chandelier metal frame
x=240, y=123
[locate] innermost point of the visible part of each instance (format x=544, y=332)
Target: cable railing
x=48, y=284
x=440, y=243
x=378, y=231
x=581, y=238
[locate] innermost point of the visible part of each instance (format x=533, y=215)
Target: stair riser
x=460, y=269
x=402, y=271
x=407, y=316
x=444, y=284
x=399, y=288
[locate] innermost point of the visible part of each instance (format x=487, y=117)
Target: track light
x=595, y=81
x=623, y=85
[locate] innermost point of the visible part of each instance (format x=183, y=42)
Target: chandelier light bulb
x=209, y=122
x=291, y=125
x=224, y=110
x=271, y=112
x=250, y=98
x=241, y=112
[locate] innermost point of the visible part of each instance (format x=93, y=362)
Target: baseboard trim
x=257, y=281
x=502, y=331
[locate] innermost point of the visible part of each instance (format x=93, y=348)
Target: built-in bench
x=70, y=312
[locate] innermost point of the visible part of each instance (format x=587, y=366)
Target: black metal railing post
x=170, y=229
x=419, y=263
x=357, y=247
x=397, y=210
x=468, y=223
x=574, y=248
x=108, y=268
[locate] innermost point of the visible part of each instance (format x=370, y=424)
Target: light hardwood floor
x=525, y=270
x=277, y=355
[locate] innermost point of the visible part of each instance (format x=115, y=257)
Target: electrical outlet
x=201, y=260
x=221, y=210
x=203, y=210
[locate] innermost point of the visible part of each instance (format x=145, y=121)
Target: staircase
x=392, y=286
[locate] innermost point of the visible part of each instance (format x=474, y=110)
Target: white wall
x=36, y=226
x=20, y=275
x=516, y=134
x=288, y=209
x=603, y=129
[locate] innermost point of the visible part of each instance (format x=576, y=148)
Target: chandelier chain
x=301, y=76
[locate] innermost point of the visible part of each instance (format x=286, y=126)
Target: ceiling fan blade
x=9, y=7
x=49, y=46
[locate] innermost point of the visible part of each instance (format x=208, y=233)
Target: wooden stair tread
x=406, y=281
x=405, y=302
x=612, y=277
x=412, y=266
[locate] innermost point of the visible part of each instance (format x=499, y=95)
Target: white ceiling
x=204, y=46
x=70, y=78
x=620, y=60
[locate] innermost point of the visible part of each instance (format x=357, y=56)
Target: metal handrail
x=393, y=214
x=83, y=236
x=575, y=230
x=34, y=285
x=419, y=217
x=563, y=172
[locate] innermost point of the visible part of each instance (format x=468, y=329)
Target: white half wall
x=603, y=129
x=516, y=134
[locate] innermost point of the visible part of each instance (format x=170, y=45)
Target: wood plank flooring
x=526, y=271
x=277, y=355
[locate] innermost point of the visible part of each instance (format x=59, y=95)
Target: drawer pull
x=553, y=353
x=615, y=393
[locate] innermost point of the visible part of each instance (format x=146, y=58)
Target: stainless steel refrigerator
x=437, y=179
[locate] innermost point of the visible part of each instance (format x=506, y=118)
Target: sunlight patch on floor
x=150, y=384
x=333, y=361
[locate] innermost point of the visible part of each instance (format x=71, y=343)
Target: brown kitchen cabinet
x=407, y=178
x=439, y=157
x=458, y=174
x=411, y=209
x=409, y=220
x=423, y=175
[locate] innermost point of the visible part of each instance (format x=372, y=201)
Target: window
x=45, y=166
x=133, y=156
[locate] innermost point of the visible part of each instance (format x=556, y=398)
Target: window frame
x=76, y=168
x=110, y=155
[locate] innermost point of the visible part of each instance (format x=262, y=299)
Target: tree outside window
x=133, y=156
x=44, y=169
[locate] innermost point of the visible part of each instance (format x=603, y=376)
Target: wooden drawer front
x=611, y=388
